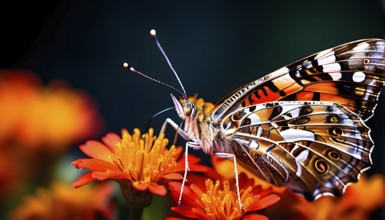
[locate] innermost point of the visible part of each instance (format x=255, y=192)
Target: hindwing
x=314, y=148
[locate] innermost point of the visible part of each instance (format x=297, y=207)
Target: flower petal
x=139, y=185
x=157, y=189
x=189, y=198
x=109, y=174
x=263, y=202
x=202, y=214
x=83, y=180
x=254, y=217
x=111, y=139
x=184, y=210
x=173, y=176
x=97, y=150
x=93, y=164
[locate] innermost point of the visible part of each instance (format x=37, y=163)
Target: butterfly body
x=302, y=126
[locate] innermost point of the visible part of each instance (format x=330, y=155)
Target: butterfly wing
x=351, y=74
x=313, y=148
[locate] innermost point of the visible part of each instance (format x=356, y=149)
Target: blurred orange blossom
x=36, y=116
x=60, y=201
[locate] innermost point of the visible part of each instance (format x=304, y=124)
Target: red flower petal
x=83, y=180
x=189, y=198
x=173, y=176
x=202, y=214
x=198, y=191
x=97, y=150
x=157, y=189
x=93, y=164
x=193, y=165
x=139, y=185
x=263, y=202
x=111, y=139
x=109, y=174
x=184, y=210
x=254, y=217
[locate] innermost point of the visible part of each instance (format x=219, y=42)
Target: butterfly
x=301, y=126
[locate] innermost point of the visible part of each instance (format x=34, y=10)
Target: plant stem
x=135, y=213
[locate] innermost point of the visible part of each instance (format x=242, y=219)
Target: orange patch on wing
x=325, y=87
x=247, y=102
x=307, y=96
x=294, y=87
x=271, y=96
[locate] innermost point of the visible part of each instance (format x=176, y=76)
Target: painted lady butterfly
x=302, y=126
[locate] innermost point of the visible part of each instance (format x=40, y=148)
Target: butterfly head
x=192, y=107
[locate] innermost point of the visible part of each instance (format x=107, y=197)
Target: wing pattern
x=351, y=74
x=312, y=147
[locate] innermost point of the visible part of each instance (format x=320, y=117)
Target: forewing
x=351, y=74
x=313, y=148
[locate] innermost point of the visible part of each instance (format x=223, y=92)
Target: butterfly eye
x=189, y=109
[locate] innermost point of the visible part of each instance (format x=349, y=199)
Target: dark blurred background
x=215, y=46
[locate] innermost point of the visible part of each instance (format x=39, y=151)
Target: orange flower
x=358, y=202
x=10, y=177
x=219, y=200
x=223, y=165
x=138, y=162
x=61, y=201
x=15, y=88
x=36, y=116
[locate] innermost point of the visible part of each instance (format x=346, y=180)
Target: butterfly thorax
x=200, y=127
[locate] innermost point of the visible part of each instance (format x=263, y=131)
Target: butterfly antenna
x=153, y=35
x=156, y=115
x=130, y=68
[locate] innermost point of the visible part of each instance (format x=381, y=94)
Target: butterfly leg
x=192, y=144
x=174, y=125
x=186, y=168
x=227, y=155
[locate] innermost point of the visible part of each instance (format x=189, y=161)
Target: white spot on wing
x=361, y=46
x=297, y=134
x=299, y=160
x=380, y=46
x=359, y=77
x=254, y=119
x=259, y=131
x=253, y=144
x=336, y=76
x=290, y=107
x=295, y=112
x=327, y=60
x=333, y=67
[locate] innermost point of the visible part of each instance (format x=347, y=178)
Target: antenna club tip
x=153, y=32
x=125, y=65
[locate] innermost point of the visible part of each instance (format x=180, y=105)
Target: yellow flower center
x=222, y=202
x=144, y=158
